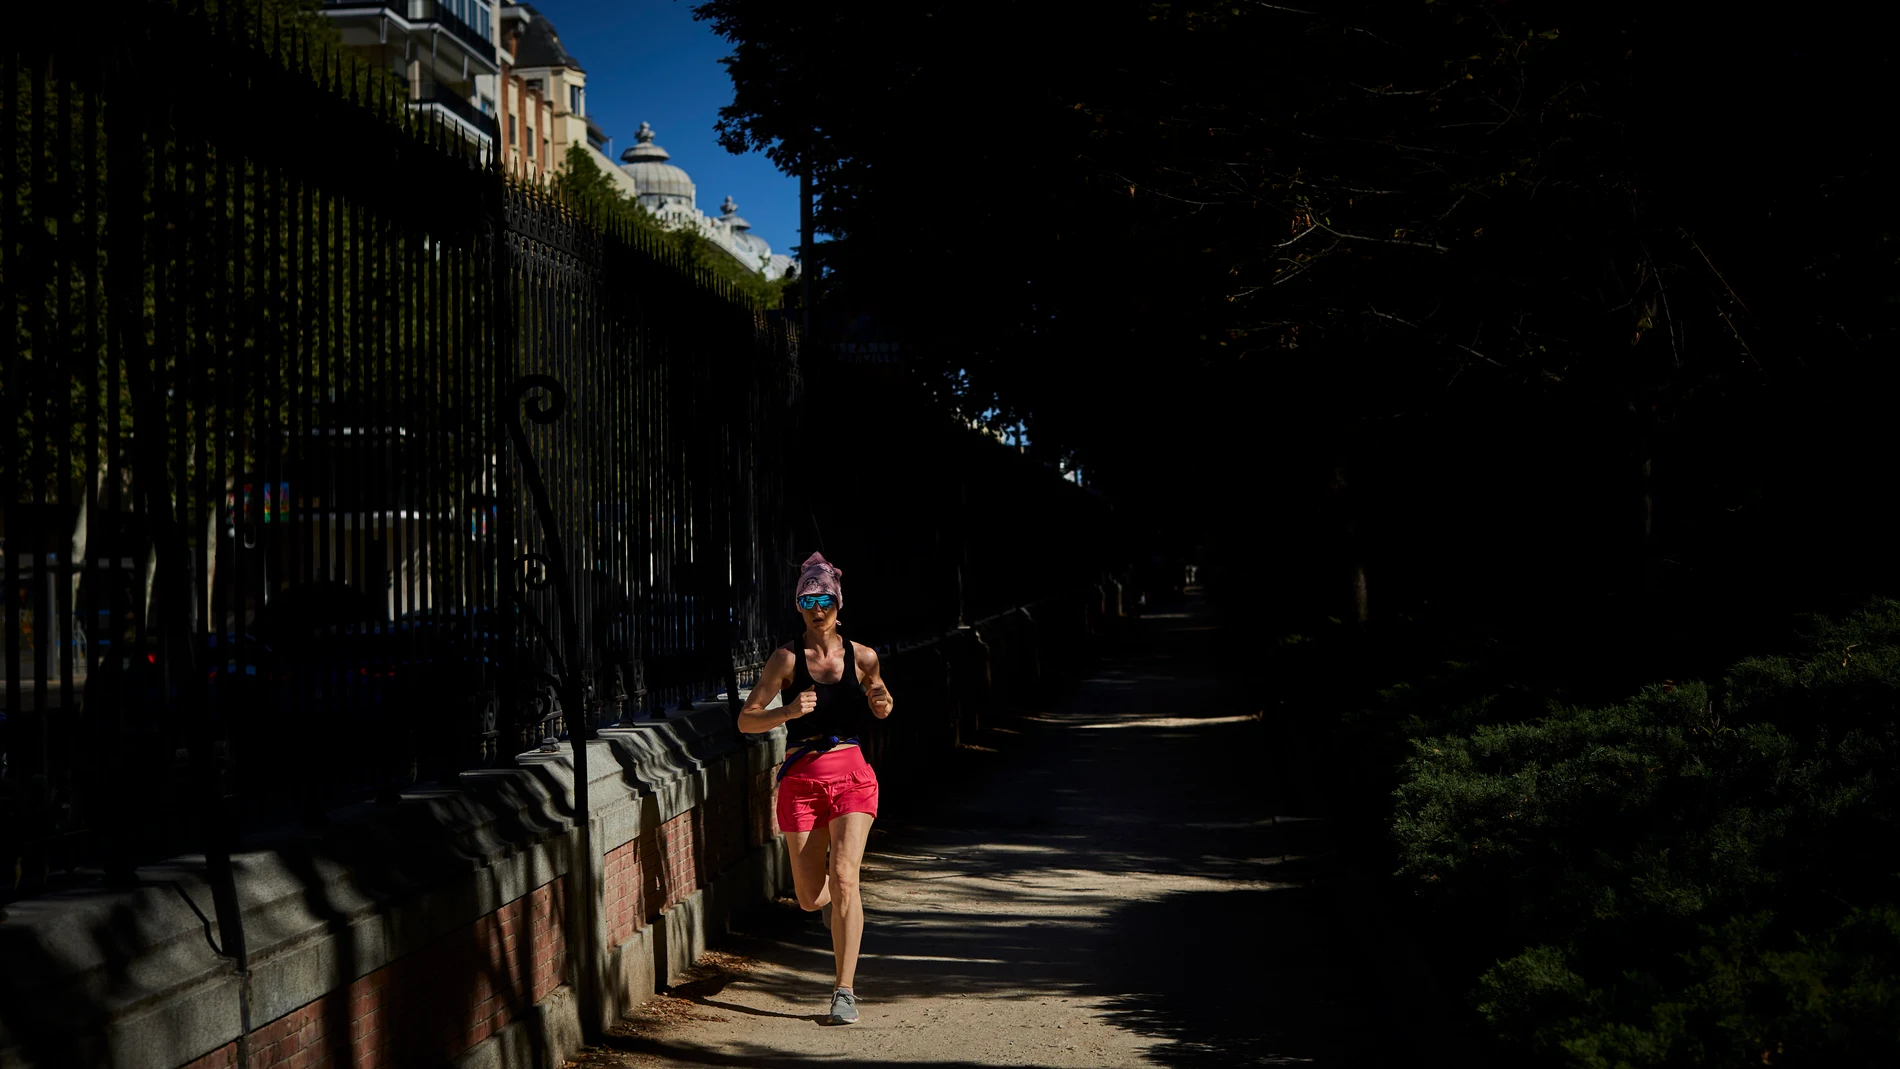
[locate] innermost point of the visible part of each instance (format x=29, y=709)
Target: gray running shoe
x=844, y=1007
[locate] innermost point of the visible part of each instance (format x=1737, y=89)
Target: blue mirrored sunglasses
x=815, y=601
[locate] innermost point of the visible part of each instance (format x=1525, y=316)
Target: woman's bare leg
x=848, y=836
x=808, y=850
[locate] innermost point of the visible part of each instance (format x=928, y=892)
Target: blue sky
x=647, y=60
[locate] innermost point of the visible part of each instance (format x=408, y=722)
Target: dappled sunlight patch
x=1017, y=848
x=1166, y=722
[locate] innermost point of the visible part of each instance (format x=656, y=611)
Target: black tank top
x=841, y=706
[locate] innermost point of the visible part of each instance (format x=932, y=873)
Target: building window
x=511, y=133
x=574, y=99
x=488, y=106
x=471, y=13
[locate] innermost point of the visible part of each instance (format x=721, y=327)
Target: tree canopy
x=1622, y=268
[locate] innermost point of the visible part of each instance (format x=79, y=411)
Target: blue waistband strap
x=811, y=747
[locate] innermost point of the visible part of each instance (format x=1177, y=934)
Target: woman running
x=827, y=794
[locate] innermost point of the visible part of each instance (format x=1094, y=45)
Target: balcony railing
x=431, y=11
x=459, y=107
x=423, y=12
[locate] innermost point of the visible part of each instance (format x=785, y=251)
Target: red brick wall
x=679, y=841
x=645, y=875
x=622, y=891
x=429, y=1006
x=663, y=866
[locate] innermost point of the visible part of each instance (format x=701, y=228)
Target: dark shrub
x=1698, y=876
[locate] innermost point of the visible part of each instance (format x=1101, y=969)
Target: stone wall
x=515, y=955
x=446, y=929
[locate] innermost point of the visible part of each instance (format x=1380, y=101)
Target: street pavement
x=1124, y=878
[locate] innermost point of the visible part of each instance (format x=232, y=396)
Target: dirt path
x=1117, y=881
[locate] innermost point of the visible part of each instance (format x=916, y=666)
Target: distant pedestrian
x=827, y=796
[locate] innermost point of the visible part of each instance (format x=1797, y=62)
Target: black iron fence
x=335, y=464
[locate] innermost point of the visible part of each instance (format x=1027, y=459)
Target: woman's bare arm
x=754, y=717
x=875, y=689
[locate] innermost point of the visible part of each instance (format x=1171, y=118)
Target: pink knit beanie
x=819, y=576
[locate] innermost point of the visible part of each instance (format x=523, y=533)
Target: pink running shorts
x=823, y=787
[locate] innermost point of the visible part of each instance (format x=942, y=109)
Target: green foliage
x=1696, y=876
x=585, y=187
x=700, y=252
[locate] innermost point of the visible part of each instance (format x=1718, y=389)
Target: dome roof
x=646, y=164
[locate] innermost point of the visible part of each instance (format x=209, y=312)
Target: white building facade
x=669, y=195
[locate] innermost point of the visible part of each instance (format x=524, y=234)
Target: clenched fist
x=880, y=696
x=806, y=701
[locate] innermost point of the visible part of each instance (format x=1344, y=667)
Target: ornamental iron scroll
x=536, y=571
x=569, y=678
